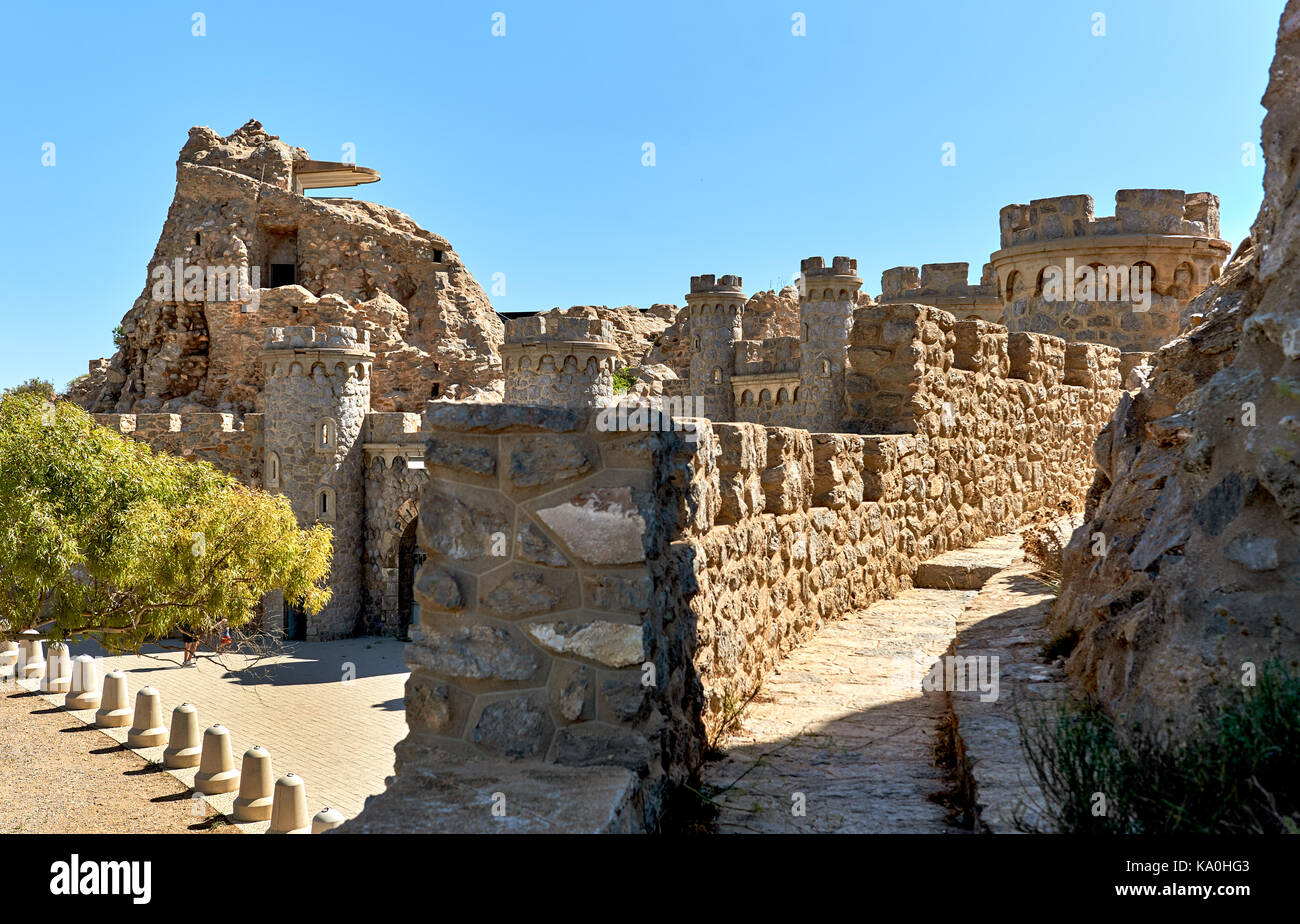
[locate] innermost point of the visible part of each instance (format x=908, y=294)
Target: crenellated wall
x=946, y=286
x=1169, y=235
x=233, y=446
x=598, y=596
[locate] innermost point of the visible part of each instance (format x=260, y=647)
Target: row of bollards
x=285, y=804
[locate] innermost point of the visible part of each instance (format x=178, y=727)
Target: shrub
x=1235, y=771
x=624, y=379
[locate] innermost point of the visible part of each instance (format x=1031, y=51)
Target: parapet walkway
x=841, y=738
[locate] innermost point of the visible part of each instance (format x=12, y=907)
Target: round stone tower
x=559, y=361
x=715, y=306
x=827, y=297
x=1126, y=279
x=317, y=396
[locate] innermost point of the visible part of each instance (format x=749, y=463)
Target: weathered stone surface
x=592, y=744
x=439, y=589
x=603, y=526
x=536, y=546
x=436, y=791
x=541, y=460
x=523, y=593
x=477, y=653
x=610, y=643
x=457, y=455
x=516, y=727
x=962, y=569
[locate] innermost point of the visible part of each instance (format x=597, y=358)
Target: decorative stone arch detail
x=272, y=473
x=325, y=435
x=783, y=395
x=326, y=504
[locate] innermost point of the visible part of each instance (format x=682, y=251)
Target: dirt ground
x=60, y=776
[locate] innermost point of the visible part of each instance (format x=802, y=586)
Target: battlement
x=1137, y=211
x=935, y=280
x=903, y=358
x=309, y=338
x=709, y=284
x=559, y=328
x=774, y=355
x=194, y=423
x=232, y=445
x=840, y=266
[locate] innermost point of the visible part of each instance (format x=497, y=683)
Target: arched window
x=272, y=470
x=717, y=375
x=325, y=500
x=1013, y=281
x=326, y=436
x=826, y=367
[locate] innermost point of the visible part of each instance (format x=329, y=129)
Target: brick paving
x=338, y=736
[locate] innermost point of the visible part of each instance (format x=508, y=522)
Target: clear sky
x=526, y=150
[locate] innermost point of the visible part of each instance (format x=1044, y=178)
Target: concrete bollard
x=83, y=691
x=255, y=795
x=115, y=708
x=326, y=819
x=8, y=654
x=183, y=749
x=31, y=656
x=58, y=670
x=217, y=771
x=289, y=807
x=147, y=731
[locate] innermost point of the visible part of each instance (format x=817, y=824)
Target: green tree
x=101, y=536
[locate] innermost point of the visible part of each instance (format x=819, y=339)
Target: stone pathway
x=338, y=736
x=1006, y=621
x=843, y=722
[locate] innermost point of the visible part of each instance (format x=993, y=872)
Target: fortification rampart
x=946, y=286
x=595, y=596
x=1125, y=280
x=559, y=360
x=233, y=446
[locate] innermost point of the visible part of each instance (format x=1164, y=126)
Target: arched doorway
x=409, y=558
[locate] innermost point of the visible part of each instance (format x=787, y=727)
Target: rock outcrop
x=1197, y=502
x=332, y=260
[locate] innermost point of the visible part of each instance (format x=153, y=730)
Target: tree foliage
x=100, y=535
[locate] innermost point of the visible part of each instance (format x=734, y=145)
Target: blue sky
x=525, y=150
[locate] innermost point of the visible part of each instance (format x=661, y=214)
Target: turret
x=715, y=305
x=559, y=361
x=827, y=297
x=317, y=395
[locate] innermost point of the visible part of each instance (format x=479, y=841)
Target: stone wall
x=233, y=446
x=946, y=286
x=1172, y=234
x=597, y=596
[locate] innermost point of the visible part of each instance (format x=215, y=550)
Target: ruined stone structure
x=242, y=249
x=944, y=285
x=1172, y=235
x=601, y=587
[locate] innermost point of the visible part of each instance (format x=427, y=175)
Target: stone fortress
x=544, y=562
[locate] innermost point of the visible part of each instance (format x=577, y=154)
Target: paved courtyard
x=328, y=711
